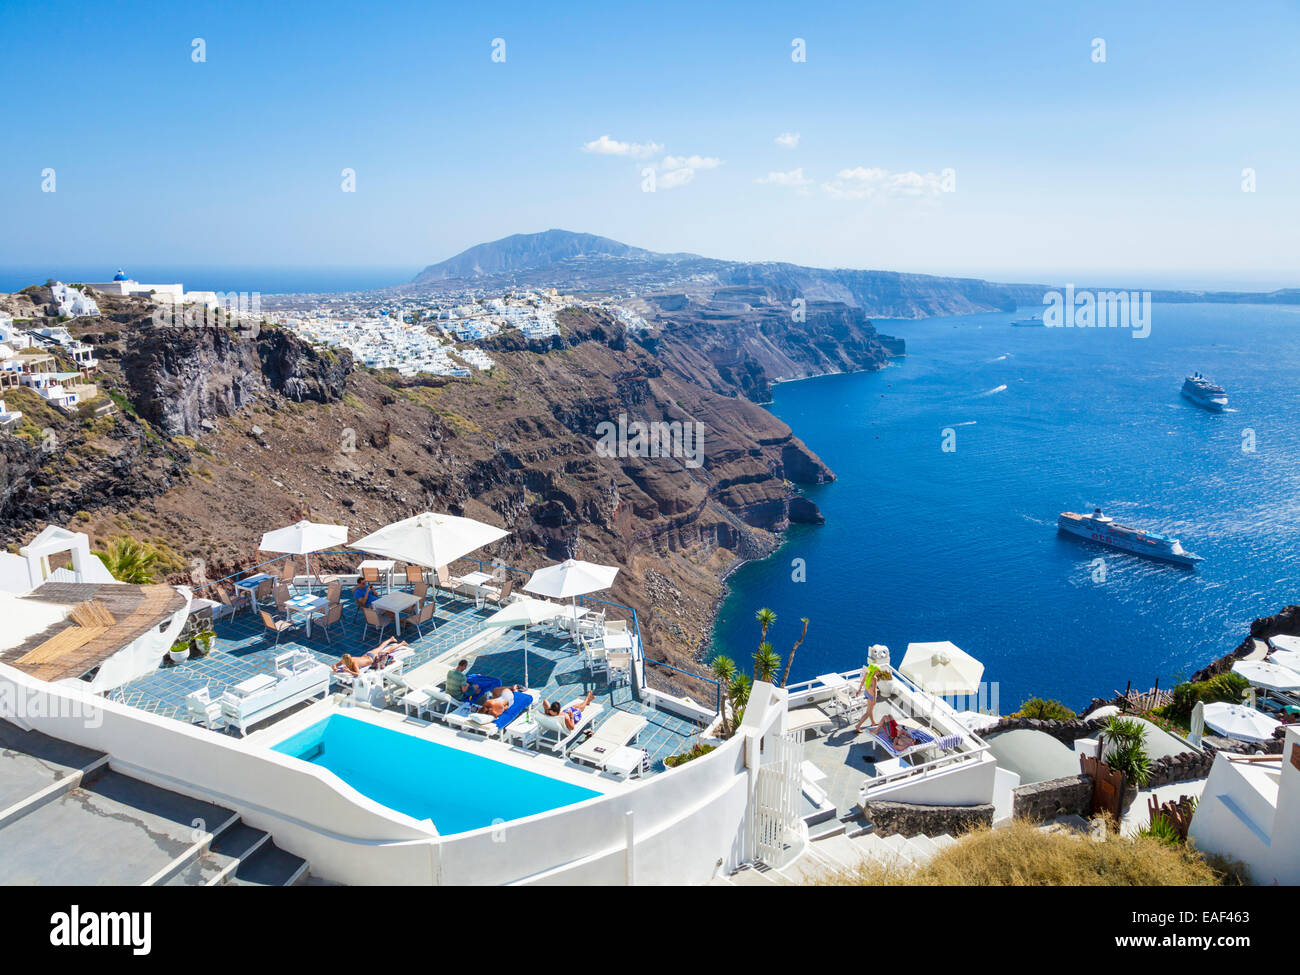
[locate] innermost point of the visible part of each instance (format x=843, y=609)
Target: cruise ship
x=1099, y=528
x=1204, y=393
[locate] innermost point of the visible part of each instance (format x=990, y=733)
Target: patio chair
x=621, y=729
x=421, y=614
x=373, y=620
x=200, y=707
x=618, y=665
x=280, y=593
x=240, y=600
x=288, y=572
x=334, y=614
x=263, y=591
x=555, y=736
x=414, y=574
x=278, y=627
x=420, y=590
x=334, y=593
x=501, y=596
x=371, y=575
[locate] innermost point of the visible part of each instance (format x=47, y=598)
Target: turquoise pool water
x=458, y=790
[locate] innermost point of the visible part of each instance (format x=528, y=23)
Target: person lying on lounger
x=571, y=712
x=498, y=703
x=893, y=732
x=377, y=658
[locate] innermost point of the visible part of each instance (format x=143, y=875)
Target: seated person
x=893, y=732
x=457, y=683
x=571, y=712
x=364, y=593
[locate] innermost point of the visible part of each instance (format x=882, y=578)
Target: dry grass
x=1024, y=856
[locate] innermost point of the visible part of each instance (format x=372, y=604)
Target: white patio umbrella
x=524, y=612
x=1239, y=721
x=1285, y=641
x=428, y=539
x=570, y=579
x=1290, y=659
x=941, y=668
x=1270, y=677
x=304, y=538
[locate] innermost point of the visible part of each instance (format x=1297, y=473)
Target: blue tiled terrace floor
x=244, y=648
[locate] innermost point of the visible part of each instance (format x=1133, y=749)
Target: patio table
x=395, y=603
x=251, y=583
x=617, y=641
x=476, y=581
x=307, y=606
x=623, y=762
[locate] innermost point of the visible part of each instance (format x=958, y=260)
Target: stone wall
x=1066, y=732
x=1042, y=801
x=910, y=818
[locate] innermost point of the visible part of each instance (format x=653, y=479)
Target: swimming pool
x=456, y=789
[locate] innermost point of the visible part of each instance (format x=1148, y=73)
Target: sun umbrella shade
x=1239, y=721
x=571, y=578
x=525, y=612
x=941, y=668
x=1290, y=659
x=304, y=537
x=1285, y=642
x=1270, y=677
x=428, y=539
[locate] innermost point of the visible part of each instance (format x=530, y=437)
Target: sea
x=262, y=279
x=953, y=463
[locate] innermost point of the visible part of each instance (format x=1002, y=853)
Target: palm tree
x=724, y=669
x=766, y=663
x=129, y=561
x=738, y=690
x=1125, y=749
x=765, y=619
x=793, y=650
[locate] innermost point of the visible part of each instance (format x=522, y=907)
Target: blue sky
x=1064, y=168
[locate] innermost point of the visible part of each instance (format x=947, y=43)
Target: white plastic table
x=624, y=762
x=395, y=603
x=307, y=606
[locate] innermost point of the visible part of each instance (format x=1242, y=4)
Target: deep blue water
x=262, y=279
x=920, y=544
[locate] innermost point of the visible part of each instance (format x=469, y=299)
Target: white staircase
x=835, y=851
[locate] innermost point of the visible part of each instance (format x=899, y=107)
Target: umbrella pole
x=526, y=684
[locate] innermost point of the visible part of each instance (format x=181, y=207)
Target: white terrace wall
x=685, y=821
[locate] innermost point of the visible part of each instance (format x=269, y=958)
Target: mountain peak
x=521, y=252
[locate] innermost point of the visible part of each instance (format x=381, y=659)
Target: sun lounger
x=620, y=729
x=554, y=735
x=813, y=720
x=923, y=740
x=485, y=724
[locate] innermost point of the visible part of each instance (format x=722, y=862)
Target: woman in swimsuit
x=377, y=658
x=571, y=712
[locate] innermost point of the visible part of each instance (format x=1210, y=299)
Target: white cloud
x=788, y=139
x=673, y=178
x=605, y=146
x=691, y=162
x=861, y=183
x=794, y=177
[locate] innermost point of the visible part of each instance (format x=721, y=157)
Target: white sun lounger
x=554, y=736
x=804, y=720
x=619, y=729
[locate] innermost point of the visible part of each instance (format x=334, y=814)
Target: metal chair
x=373, y=620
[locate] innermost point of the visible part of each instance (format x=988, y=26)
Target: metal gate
x=780, y=782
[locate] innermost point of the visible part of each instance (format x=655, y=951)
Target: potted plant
x=180, y=651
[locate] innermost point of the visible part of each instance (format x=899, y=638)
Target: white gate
x=776, y=808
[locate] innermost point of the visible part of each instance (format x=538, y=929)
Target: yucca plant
x=724, y=670
x=129, y=561
x=1124, y=749
x=738, y=690
x=766, y=663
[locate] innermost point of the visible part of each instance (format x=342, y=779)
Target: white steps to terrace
x=833, y=852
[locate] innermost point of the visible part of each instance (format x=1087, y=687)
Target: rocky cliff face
x=225, y=434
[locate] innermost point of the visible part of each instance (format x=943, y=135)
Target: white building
x=72, y=302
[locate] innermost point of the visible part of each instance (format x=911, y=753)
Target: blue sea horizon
x=922, y=543
x=260, y=278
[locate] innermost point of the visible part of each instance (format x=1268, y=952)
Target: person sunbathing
x=893, y=732
x=377, y=658
x=498, y=703
x=571, y=712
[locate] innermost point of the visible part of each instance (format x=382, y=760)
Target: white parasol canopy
x=1284, y=641
x=570, y=579
x=1271, y=677
x=1290, y=659
x=1239, y=721
x=303, y=538
x=941, y=668
x=524, y=612
x=428, y=539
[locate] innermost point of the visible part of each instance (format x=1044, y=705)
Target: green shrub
x=1049, y=710
x=1221, y=687
x=696, y=751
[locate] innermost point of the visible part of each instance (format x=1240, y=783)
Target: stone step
x=757, y=877
x=843, y=850
x=809, y=868
x=269, y=866
x=223, y=855
x=113, y=830
x=899, y=845
x=924, y=844
x=943, y=840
